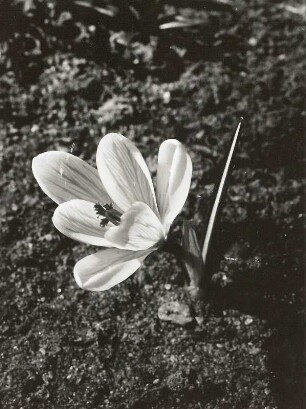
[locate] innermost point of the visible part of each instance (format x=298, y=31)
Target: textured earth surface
x=62, y=347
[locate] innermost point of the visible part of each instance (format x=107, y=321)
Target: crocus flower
x=115, y=206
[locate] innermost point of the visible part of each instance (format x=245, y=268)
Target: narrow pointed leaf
x=218, y=199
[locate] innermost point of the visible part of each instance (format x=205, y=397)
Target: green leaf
x=218, y=199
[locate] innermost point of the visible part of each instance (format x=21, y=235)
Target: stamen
x=108, y=214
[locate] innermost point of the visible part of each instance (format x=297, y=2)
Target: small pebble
x=248, y=321
x=199, y=320
x=176, y=312
x=253, y=41
x=166, y=97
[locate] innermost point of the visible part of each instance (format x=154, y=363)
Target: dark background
x=72, y=71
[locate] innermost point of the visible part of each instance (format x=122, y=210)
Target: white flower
x=123, y=180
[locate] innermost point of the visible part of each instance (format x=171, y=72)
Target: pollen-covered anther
x=108, y=214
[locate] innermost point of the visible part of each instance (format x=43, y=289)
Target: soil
x=62, y=347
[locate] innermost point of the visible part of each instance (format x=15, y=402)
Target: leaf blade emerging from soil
x=218, y=199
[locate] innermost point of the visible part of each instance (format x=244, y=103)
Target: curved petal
x=78, y=220
x=139, y=229
x=106, y=268
x=124, y=172
x=174, y=172
x=64, y=177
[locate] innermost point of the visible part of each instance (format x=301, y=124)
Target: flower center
x=108, y=214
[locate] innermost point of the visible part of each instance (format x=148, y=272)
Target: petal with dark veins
x=78, y=220
x=106, y=268
x=64, y=177
x=124, y=172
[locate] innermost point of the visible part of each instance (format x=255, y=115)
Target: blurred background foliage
x=147, y=35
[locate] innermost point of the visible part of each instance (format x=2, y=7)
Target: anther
x=108, y=214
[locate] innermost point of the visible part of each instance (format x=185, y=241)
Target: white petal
x=78, y=220
x=64, y=177
x=174, y=172
x=139, y=229
x=124, y=172
x=106, y=268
